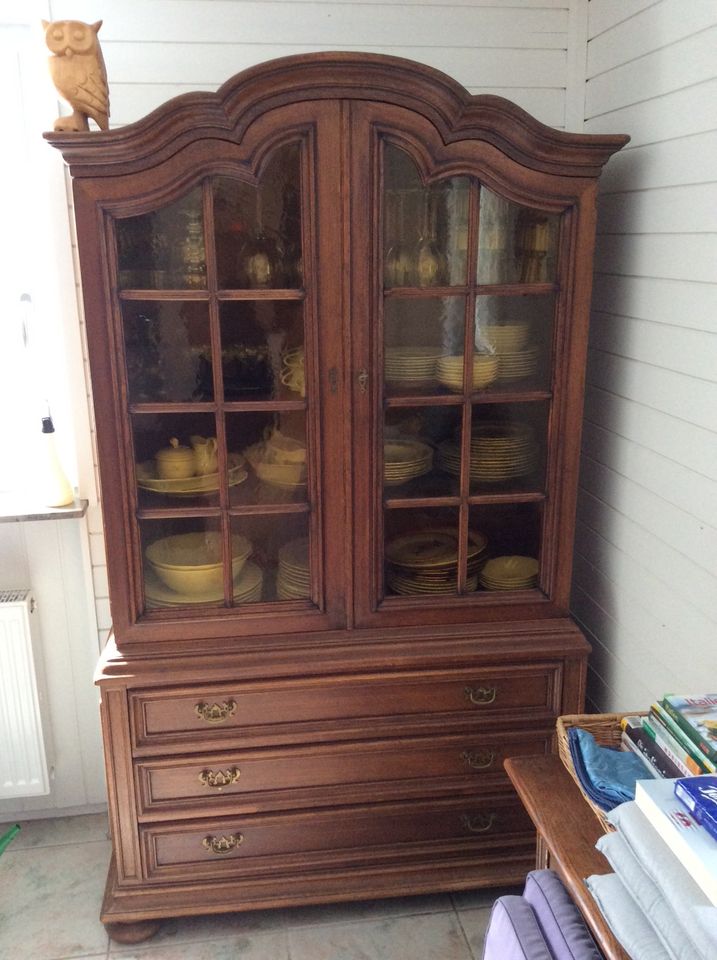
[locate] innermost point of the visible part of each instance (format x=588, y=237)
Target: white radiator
x=23, y=758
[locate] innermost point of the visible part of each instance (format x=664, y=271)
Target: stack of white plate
x=411, y=367
x=403, y=460
x=450, y=371
x=247, y=589
x=518, y=365
x=506, y=337
x=498, y=451
x=293, y=580
x=509, y=573
x=427, y=562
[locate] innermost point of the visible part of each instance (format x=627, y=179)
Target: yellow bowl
x=507, y=337
x=280, y=474
x=190, y=563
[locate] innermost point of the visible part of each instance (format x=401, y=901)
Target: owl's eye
x=57, y=35
x=79, y=34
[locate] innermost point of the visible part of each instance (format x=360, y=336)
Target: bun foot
x=132, y=932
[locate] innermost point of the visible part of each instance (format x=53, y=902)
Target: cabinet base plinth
x=132, y=932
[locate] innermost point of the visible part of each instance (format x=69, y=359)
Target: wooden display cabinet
x=372, y=289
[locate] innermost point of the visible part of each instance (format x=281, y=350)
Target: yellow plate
x=147, y=479
x=248, y=582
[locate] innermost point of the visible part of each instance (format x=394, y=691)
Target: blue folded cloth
x=607, y=776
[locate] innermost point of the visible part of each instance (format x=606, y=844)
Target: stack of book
x=678, y=738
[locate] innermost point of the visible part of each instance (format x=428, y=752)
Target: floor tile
x=50, y=833
x=214, y=927
x=261, y=946
x=436, y=936
x=368, y=910
x=50, y=904
x=474, y=923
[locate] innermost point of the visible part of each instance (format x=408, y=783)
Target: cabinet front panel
x=285, y=710
x=258, y=845
x=267, y=779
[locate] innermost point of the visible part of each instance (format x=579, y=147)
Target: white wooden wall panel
x=645, y=585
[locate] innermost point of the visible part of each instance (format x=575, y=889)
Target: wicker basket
x=606, y=729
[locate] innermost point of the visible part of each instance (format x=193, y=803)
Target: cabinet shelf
x=481, y=289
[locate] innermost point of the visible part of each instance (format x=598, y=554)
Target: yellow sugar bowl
x=174, y=462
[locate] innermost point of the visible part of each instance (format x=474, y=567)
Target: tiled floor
x=52, y=878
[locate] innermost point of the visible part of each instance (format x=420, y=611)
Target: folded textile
x=563, y=927
x=674, y=881
x=666, y=922
x=625, y=918
x=607, y=776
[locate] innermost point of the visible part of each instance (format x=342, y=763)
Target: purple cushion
x=513, y=932
x=559, y=919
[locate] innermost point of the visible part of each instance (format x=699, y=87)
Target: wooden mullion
x=439, y=400
x=268, y=509
x=515, y=289
x=478, y=499
x=164, y=295
x=177, y=513
x=154, y=408
x=403, y=503
x=425, y=293
x=255, y=294
x=263, y=406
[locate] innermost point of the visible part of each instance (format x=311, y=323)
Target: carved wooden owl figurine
x=78, y=72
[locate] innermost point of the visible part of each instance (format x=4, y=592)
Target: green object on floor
x=7, y=837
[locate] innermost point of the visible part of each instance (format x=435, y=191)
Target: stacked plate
x=147, y=479
x=293, y=580
x=498, y=451
x=509, y=573
x=247, y=589
x=450, y=371
x=507, y=337
x=411, y=367
x=427, y=562
x=518, y=365
x=404, y=460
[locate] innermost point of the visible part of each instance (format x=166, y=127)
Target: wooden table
x=567, y=833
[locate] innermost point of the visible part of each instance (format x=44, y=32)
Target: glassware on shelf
x=399, y=264
x=260, y=256
x=193, y=269
x=430, y=262
x=532, y=244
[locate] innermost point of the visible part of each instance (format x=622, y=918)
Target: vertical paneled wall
x=645, y=587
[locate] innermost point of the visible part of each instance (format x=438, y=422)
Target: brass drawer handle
x=480, y=695
x=481, y=823
x=222, y=844
x=478, y=759
x=222, y=778
x=217, y=713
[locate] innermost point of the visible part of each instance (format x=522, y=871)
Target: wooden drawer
x=245, y=781
x=292, y=711
x=279, y=844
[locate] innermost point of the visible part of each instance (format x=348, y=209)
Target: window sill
x=15, y=509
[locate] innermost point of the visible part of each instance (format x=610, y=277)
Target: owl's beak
x=68, y=52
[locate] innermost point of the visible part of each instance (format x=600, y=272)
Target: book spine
x=630, y=747
x=651, y=750
x=707, y=822
x=690, y=731
x=703, y=765
x=671, y=749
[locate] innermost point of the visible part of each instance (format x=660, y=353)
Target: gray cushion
x=513, y=932
x=625, y=918
x=560, y=920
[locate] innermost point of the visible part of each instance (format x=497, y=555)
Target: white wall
x=645, y=587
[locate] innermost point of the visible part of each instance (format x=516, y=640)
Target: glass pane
x=507, y=450
x=272, y=449
x=421, y=553
x=513, y=532
x=280, y=557
x=411, y=440
x=183, y=561
x=176, y=458
x=165, y=248
x=258, y=228
x=515, y=244
x=417, y=333
x=263, y=349
x=517, y=332
x=426, y=227
x=168, y=351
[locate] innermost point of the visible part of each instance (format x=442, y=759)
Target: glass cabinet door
x=221, y=390
x=467, y=319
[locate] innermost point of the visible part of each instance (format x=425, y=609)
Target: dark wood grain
x=569, y=829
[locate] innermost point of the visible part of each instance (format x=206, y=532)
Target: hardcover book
x=692, y=845
x=687, y=766
x=704, y=765
x=697, y=716
x=699, y=795
x=638, y=739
